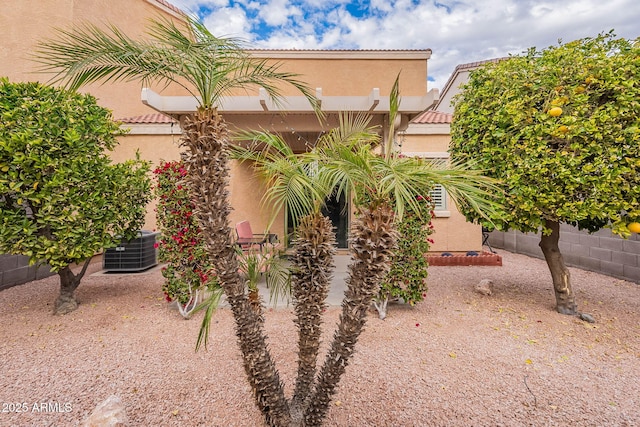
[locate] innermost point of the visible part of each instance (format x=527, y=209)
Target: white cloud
x=229, y=22
x=194, y=5
x=278, y=12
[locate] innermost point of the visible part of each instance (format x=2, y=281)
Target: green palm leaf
x=288, y=177
x=190, y=56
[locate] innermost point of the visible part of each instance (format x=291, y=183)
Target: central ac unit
x=135, y=255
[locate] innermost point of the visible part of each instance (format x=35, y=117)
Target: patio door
x=337, y=210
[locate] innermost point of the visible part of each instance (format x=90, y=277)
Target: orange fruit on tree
x=563, y=129
x=555, y=111
x=634, y=227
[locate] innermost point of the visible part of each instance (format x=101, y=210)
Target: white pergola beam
x=373, y=103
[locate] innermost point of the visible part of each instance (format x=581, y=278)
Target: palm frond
x=209, y=305
x=465, y=185
x=394, y=107
x=88, y=54
x=288, y=178
x=278, y=278
x=190, y=56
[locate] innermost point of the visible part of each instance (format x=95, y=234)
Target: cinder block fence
x=15, y=270
x=602, y=251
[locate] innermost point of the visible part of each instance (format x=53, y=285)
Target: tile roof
x=468, y=66
x=432, y=117
x=479, y=63
x=153, y=118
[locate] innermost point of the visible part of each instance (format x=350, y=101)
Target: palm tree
x=344, y=161
x=208, y=68
x=292, y=184
x=374, y=181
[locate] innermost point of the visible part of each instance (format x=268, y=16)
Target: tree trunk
x=312, y=268
x=565, y=299
x=373, y=240
x=66, y=301
x=206, y=156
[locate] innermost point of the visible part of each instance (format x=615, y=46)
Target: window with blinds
x=439, y=196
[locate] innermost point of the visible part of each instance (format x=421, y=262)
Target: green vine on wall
x=408, y=275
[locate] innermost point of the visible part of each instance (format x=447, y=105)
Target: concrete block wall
x=602, y=251
x=15, y=270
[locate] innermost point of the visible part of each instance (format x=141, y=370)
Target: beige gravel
x=458, y=359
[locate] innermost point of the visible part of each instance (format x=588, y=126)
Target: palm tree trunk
x=565, y=299
x=373, y=239
x=66, y=301
x=206, y=142
x=313, y=265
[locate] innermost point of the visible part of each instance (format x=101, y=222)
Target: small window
x=439, y=196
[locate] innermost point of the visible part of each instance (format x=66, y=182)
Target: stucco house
x=331, y=73
x=344, y=80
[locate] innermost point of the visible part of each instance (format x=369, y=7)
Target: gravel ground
x=458, y=359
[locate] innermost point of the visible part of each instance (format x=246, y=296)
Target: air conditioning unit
x=135, y=255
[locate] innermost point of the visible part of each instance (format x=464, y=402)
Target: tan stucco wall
x=356, y=77
x=425, y=143
x=245, y=189
x=456, y=234
x=452, y=233
x=246, y=193
x=446, y=98
x=24, y=23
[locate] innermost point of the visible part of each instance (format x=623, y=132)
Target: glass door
x=337, y=210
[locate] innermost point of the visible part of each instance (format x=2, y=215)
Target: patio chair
x=247, y=239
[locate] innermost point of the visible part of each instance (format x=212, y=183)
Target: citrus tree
x=560, y=128
x=61, y=198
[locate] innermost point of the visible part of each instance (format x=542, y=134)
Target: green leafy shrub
x=188, y=271
x=62, y=200
x=408, y=274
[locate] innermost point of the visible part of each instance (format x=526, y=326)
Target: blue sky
x=458, y=31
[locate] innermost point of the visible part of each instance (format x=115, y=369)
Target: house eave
x=151, y=128
x=373, y=103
